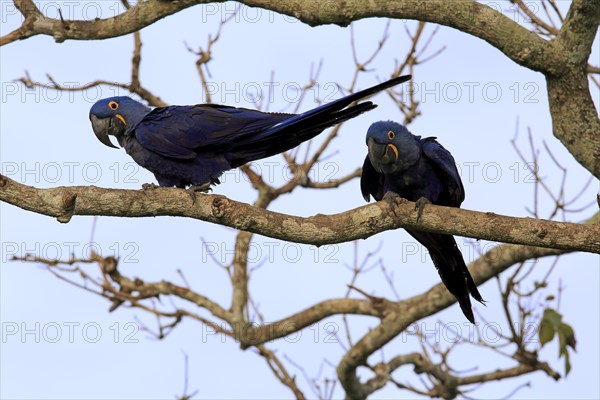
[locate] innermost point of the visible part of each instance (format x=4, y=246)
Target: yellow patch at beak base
x=123, y=121
x=395, y=150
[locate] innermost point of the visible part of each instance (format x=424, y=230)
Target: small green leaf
x=566, y=331
x=546, y=333
x=562, y=344
x=553, y=317
x=571, y=342
x=550, y=298
x=551, y=320
x=567, y=364
x=552, y=324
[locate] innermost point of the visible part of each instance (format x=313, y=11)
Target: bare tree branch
x=360, y=223
x=473, y=18
x=144, y=13
x=410, y=310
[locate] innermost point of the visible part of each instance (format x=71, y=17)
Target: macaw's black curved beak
x=385, y=153
x=103, y=127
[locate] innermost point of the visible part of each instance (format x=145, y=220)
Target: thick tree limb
x=144, y=13
x=254, y=335
x=474, y=18
x=359, y=223
x=579, y=30
x=574, y=116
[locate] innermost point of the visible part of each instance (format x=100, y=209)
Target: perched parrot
x=423, y=171
x=191, y=146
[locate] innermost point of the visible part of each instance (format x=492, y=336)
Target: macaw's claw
x=204, y=188
x=419, y=206
x=392, y=198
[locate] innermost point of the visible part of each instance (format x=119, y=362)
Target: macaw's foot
x=149, y=186
x=419, y=206
x=204, y=188
x=392, y=198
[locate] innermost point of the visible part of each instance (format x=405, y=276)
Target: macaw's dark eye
x=391, y=135
x=113, y=105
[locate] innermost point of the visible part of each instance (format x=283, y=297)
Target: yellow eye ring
x=391, y=135
x=113, y=105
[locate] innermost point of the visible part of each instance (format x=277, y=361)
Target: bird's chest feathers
x=134, y=149
x=416, y=182
x=145, y=158
x=409, y=181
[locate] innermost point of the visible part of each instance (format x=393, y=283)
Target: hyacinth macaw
x=423, y=171
x=191, y=146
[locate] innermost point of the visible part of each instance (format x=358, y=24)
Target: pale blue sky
x=472, y=97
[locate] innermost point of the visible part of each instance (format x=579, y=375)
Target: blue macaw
x=423, y=171
x=191, y=146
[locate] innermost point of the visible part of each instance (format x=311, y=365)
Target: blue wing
x=242, y=135
x=184, y=132
x=371, y=181
x=445, y=166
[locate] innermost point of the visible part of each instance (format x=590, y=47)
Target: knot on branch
x=419, y=363
x=530, y=358
x=541, y=233
x=220, y=204
x=68, y=207
x=382, y=305
x=247, y=334
x=444, y=390
x=109, y=265
x=59, y=36
x=382, y=375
